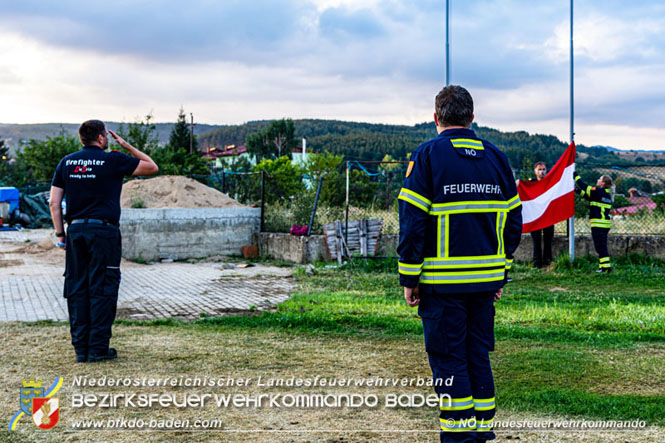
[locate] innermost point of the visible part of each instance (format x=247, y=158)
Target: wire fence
x=372, y=188
x=369, y=190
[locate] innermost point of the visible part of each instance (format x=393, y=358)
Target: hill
x=367, y=141
x=16, y=134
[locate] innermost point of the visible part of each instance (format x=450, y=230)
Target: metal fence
x=638, y=209
x=372, y=188
x=370, y=191
x=639, y=201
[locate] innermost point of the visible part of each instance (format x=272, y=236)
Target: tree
x=329, y=166
x=283, y=179
x=181, y=134
x=4, y=151
x=42, y=157
x=174, y=158
x=141, y=134
x=273, y=141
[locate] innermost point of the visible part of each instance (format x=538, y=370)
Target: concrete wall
x=292, y=248
x=308, y=249
x=152, y=234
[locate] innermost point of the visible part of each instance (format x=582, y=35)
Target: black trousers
x=92, y=279
x=599, y=236
x=459, y=335
x=542, y=246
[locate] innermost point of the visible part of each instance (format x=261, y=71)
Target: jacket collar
x=463, y=132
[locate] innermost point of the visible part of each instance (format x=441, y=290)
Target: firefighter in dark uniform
x=542, y=249
x=600, y=201
x=460, y=219
x=90, y=180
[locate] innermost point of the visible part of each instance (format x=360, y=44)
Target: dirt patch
x=8, y=263
x=170, y=191
x=36, y=248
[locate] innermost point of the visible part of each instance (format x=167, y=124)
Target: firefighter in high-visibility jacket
x=600, y=202
x=460, y=223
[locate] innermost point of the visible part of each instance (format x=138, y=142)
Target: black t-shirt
x=92, y=180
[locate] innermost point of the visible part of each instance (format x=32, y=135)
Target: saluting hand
x=119, y=140
x=412, y=296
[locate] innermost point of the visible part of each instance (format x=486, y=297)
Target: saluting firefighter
x=460, y=218
x=600, y=199
x=91, y=181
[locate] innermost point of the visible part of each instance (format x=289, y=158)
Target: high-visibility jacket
x=460, y=215
x=600, y=203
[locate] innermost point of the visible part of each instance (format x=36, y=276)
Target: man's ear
x=436, y=119
x=472, y=117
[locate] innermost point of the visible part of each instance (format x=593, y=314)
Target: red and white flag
x=551, y=199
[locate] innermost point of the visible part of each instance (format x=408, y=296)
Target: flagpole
x=571, y=220
x=447, y=42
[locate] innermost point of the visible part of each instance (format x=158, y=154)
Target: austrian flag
x=551, y=199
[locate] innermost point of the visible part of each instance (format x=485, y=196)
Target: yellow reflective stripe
x=413, y=202
x=600, y=223
x=500, y=218
x=455, y=262
x=602, y=205
x=446, y=238
x=438, y=237
x=457, y=404
x=409, y=269
x=485, y=424
x=467, y=424
x=467, y=143
x=604, y=259
x=514, y=202
x=471, y=203
x=471, y=258
x=462, y=277
x=424, y=200
x=588, y=190
x=468, y=207
x=484, y=404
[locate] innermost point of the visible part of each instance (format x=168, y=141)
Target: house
x=228, y=155
x=638, y=204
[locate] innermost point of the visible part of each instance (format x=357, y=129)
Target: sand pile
x=173, y=191
x=36, y=248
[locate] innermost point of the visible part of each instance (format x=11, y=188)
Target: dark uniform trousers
x=542, y=246
x=458, y=329
x=92, y=279
x=599, y=236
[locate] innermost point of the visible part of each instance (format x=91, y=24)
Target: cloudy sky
x=231, y=61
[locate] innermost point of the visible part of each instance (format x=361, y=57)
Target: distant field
x=645, y=155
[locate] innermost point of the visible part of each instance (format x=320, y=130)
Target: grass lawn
x=570, y=344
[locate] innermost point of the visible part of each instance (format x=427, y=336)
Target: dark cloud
x=163, y=30
x=495, y=44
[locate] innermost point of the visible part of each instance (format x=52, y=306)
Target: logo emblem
x=46, y=412
x=410, y=168
x=30, y=390
x=44, y=409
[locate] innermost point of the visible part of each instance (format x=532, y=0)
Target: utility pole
x=447, y=42
x=191, y=134
x=571, y=220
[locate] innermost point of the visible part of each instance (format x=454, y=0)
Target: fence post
x=223, y=180
x=263, y=199
x=346, y=218
x=316, y=203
